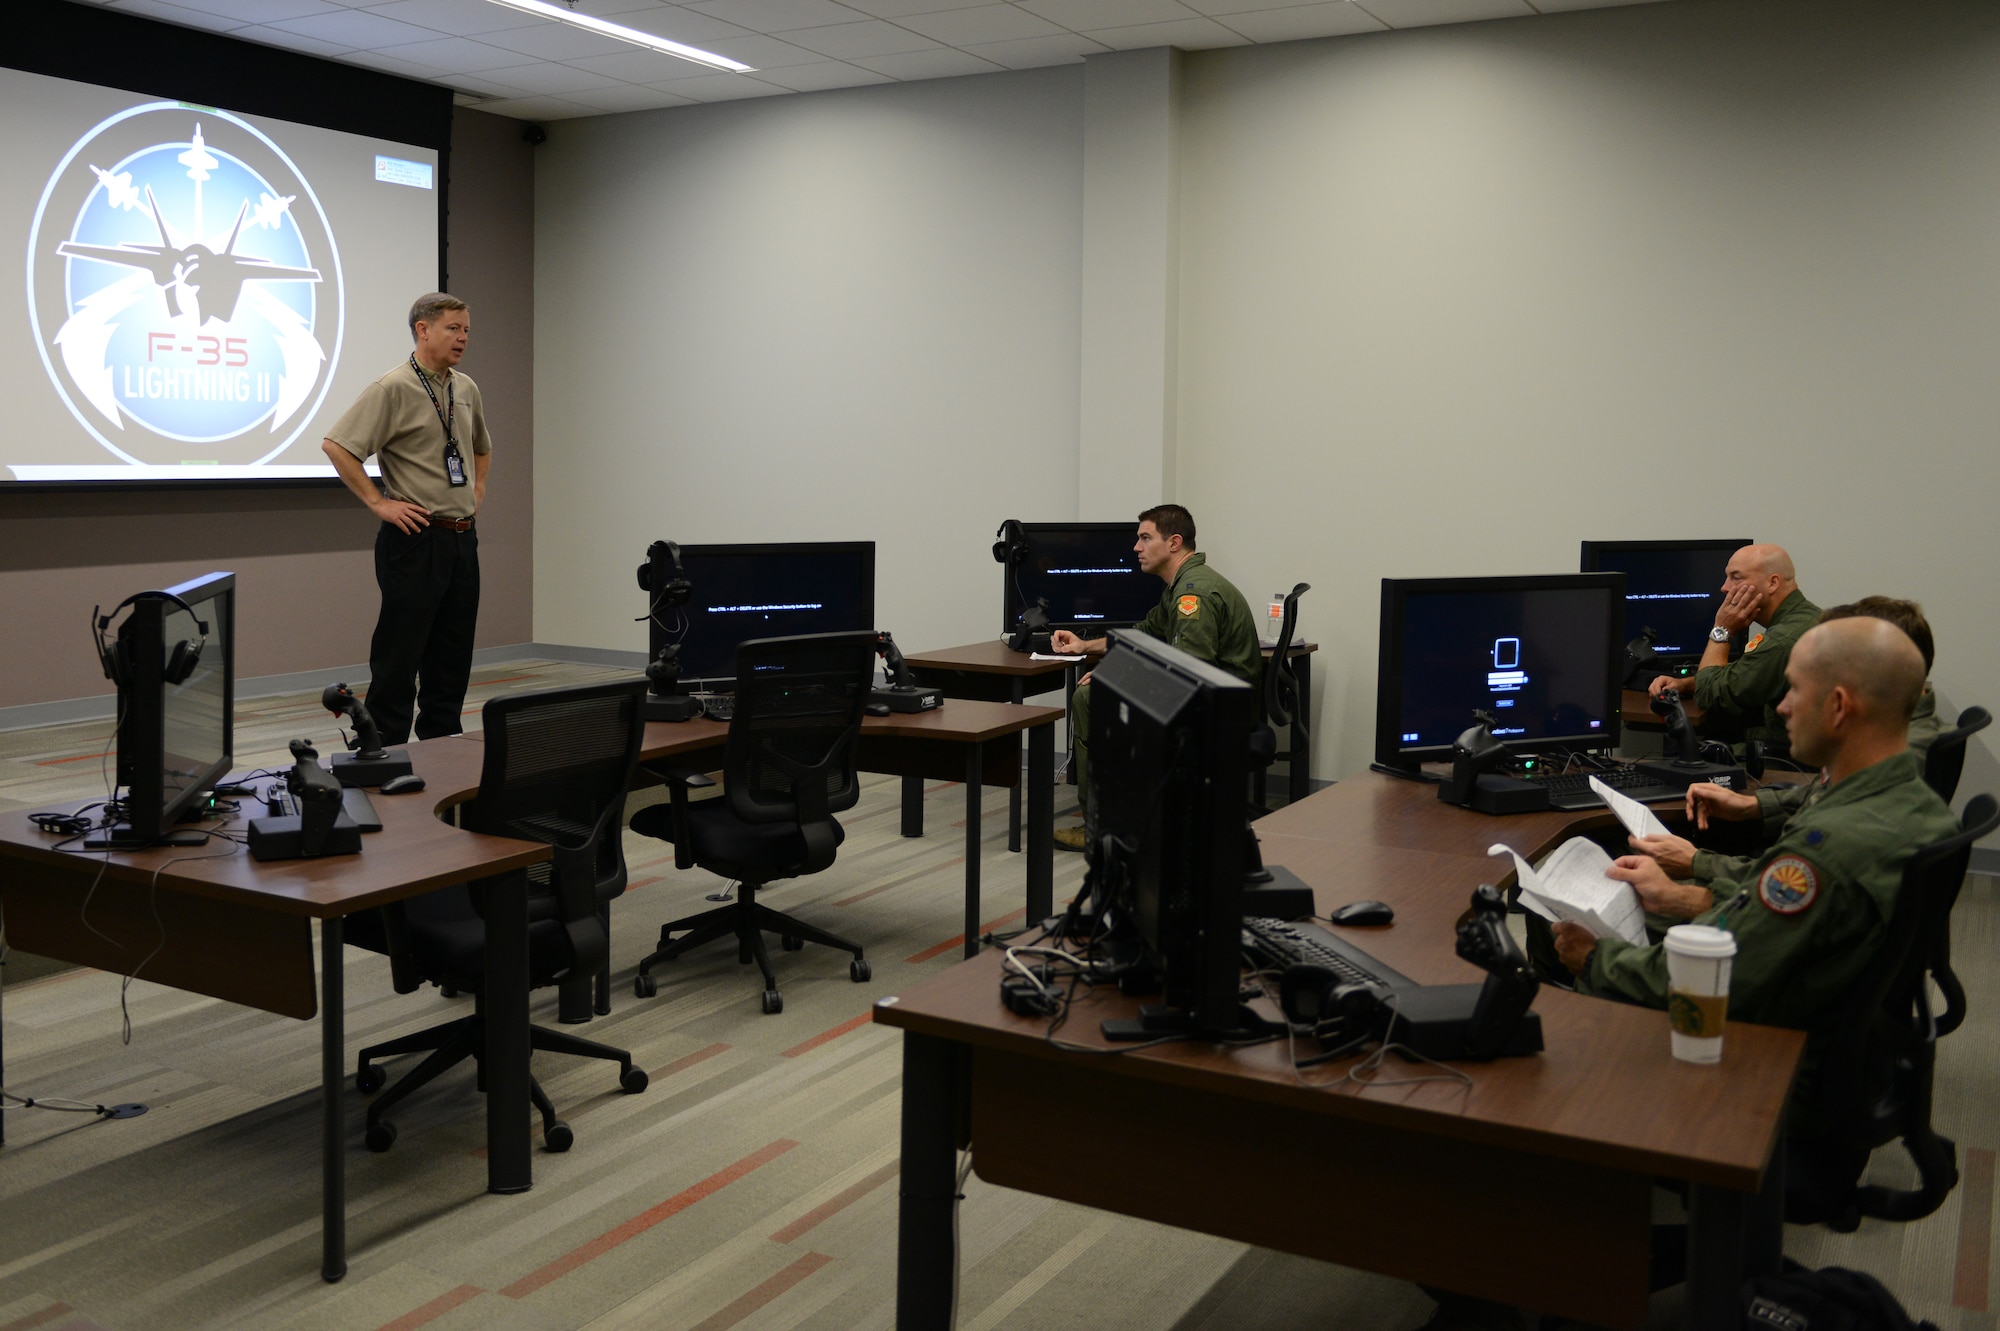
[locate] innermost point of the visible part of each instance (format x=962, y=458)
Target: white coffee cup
x=1698, y=965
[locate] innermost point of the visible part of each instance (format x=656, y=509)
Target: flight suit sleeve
x=1792, y=908
x=1775, y=806
x=1155, y=625
x=1709, y=867
x=1195, y=623
x=1742, y=687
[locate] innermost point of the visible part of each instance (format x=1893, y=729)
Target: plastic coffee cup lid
x=1701, y=940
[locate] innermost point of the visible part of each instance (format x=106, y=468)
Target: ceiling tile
x=1335, y=19
x=538, y=108
x=456, y=55
x=762, y=52
x=461, y=18
x=939, y=64
x=1090, y=15
x=557, y=41
x=259, y=11
x=775, y=15
x=549, y=78
x=485, y=85
x=1036, y=52
x=678, y=24
x=633, y=65
x=723, y=87
x=1560, y=6
x=625, y=97
x=290, y=41
x=389, y=64
x=896, y=9
x=822, y=75
x=1199, y=34
x=186, y=18
x=1422, y=13
x=849, y=41
x=356, y=28
x=984, y=23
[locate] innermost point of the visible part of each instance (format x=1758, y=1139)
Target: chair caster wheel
x=369, y=1079
x=446, y=991
x=381, y=1136
x=633, y=1080
x=857, y=971
x=645, y=986
x=774, y=1002
x=557, y=1137
x=792, y=943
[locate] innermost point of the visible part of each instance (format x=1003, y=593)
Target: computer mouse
x=877, y=709
x=403, y=785
x=1362, y=913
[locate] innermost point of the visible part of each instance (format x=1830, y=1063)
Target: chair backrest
x=1946, y=756
x=799, y=704
x=558, y=762
x=1281, y=685
x=1887, y=1017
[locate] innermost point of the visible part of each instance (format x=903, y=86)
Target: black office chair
x=1879, y=1053
x=556, y=768
x=1282, y=701
x=789, y=767
x=1946, y=756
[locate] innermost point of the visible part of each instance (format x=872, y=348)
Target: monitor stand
x=120, y=836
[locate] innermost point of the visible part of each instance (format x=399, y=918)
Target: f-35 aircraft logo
x=184, y=288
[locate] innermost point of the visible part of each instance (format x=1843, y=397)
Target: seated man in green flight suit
x=1740, y=697
x=1200, y=612
x=1774, y=805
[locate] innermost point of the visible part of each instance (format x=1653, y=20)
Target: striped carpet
x=753, y=1185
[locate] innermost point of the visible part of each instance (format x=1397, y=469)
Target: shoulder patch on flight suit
x=1788, y=885
x=1753, y=644
x=1189, y=606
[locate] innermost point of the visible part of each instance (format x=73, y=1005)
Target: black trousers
x=421, y=656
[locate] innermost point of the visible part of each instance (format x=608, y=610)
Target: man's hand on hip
x=407, y=517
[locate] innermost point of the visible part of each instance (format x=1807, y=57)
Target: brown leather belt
x=452, y=524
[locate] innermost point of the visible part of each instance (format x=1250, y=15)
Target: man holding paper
x=1810, y=913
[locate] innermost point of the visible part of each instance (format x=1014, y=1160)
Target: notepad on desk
x=1571, y=888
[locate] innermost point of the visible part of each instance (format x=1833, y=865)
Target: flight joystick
x=367, y=763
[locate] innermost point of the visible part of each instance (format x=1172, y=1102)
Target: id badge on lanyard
x=454, y=461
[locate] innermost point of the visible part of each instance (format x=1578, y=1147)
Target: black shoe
x=1070, y=838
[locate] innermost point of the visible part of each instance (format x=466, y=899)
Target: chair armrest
x=680, y=778
x=403, y=976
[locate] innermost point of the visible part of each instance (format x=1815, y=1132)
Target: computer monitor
x=1088, y=574
x=1169, y=758
x=742, y=592
x=175, y=738
x=1542, y=654
x=1673, y=588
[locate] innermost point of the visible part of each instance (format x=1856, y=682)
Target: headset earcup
x=181, y=662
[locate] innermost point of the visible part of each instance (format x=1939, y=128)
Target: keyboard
x=719, y=706
x=1276, y=944
x=1572, y=789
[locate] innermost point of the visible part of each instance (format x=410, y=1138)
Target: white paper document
x=1571, y=887
x=1638, y=819
x=1041, y=656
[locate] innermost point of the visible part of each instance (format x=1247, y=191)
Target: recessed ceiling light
x=542, y=9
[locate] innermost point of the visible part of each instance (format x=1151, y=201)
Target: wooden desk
x=1533, y=1186
x=239, y=930
x=978, y=743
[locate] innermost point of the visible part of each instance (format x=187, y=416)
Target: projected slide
x=196, y=295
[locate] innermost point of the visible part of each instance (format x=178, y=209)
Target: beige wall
x=1454, y=298
x=842, y=315
x=305, y=572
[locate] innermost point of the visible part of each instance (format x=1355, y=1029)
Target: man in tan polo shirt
x=424, y=421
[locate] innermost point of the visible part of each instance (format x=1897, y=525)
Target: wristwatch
x=1718, y=634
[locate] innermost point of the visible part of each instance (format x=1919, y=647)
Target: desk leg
x=926, y=1253
x=1731, y=1237
x=1041, y=823
x=913, y=806
x=1014, y=794
x=508, y=1167
x=1299, y=764
x=333, y=1126
x=974, y=791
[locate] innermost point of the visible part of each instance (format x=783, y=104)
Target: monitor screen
x=1542, y=654
x=195, y=715
x=762, y=591
x=1086, y=571
x=204, y=292
x=1673, y=588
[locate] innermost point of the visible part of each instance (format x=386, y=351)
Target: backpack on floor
x=1834, y=1299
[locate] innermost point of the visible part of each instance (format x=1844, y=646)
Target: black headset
x=1012, y=547
x=676, y=589
x=115, y=656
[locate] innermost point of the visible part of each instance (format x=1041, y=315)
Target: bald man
x=1741, y=697
x=1809, y=913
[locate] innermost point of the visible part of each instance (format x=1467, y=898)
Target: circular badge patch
x=1788, y=885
